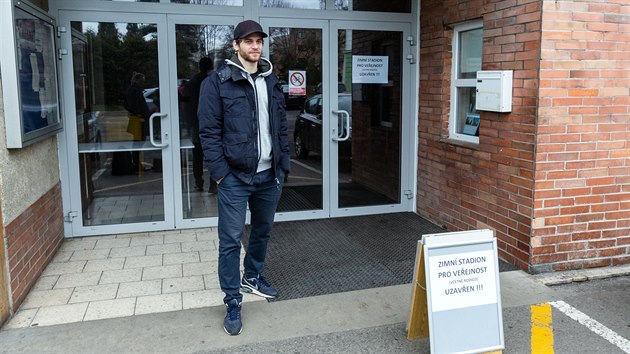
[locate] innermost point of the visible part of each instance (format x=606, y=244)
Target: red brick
x=575, y=210
x=589, y=217
x=573, y=246
x=600, y=181
x=563, y=266
x=583, y=92
x=549, y=258
x=559, y=220
x=544, y=250
x=579, y=236
x=622, y=235
x=583, y=254
x=613, y=215
x=596, y=263
x=42, y=216
x=604, y=207
x=621, y=260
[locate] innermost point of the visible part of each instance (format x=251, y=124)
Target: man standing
x=243, y=132
x=190, y=96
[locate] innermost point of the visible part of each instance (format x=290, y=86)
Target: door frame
x=172, y=22
x=74, y=227
x=330, y=173
x=406, y=120
x=323, y=25
x=328, y=21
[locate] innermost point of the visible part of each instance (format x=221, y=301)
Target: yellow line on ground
x=542, y=330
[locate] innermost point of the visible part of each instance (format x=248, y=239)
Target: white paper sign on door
x=369, y=69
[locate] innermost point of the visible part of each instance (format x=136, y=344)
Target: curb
x=581, y=275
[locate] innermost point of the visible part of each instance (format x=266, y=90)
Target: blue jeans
x=233, y=196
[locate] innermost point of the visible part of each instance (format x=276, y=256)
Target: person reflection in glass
x=32, y=77
x=125, y=162
x=137, y=107
x=190, y=96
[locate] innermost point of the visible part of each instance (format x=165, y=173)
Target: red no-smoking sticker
x=297, y=82
x=297, y=79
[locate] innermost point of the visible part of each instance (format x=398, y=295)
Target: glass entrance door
x=201, y=44
x=346, y=92
x=369, y=106
x=297, y=49
x=133, y=155
x=119, y=149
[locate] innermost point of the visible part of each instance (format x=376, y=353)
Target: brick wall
x=4, y=286
x=582, y=192
x=32, y=240
x=466, y=187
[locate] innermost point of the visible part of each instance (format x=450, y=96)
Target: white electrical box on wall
x=494, y=91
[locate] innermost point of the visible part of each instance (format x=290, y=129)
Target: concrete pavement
x=372, y=320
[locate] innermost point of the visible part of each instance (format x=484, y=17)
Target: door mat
x=318, y=257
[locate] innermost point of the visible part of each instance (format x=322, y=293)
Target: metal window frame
x=457, y=83
x=14, y=122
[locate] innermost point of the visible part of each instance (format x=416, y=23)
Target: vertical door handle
x=345, y=133
x=164, y=143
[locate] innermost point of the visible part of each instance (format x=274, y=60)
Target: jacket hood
x=263, y=64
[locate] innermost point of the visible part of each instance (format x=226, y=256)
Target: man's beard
x=247, y=57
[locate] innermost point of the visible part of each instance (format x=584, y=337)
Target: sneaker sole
x=235, y=334
x=251, y=290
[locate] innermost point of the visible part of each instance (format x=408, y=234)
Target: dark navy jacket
x=228, y=122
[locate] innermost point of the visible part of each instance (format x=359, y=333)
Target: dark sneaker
x=232, y=324
x=258, y=286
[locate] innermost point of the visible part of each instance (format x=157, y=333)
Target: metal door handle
x=164, y=143
x=346, y=123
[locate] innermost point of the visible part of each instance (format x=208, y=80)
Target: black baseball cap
x=246, y=28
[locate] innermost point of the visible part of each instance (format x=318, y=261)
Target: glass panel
x=300, y=50
x=120, y=171
x=403, y=6
x=211, y=2
x=369, y=161
x=467, y=115
x=470, y=44
x=294, y=4
x=37, y=72
x=200, y=49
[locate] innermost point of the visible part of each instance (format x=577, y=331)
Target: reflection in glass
x=211, y=2
x=294, y=4
x=403, y=6
x=468, y=115
x=300, y=49
x=37, y=71
x=200, y=48
x=369, y=162
x=115, y=68
x=471, y=43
